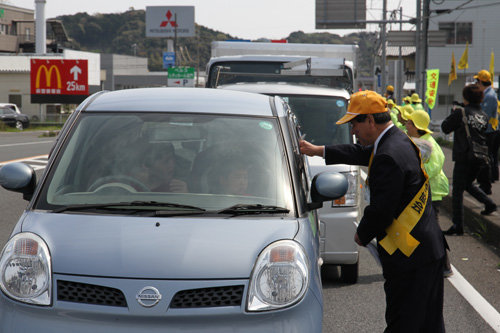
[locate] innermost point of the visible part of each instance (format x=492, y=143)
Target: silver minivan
x=317, y=109
x=168, y=210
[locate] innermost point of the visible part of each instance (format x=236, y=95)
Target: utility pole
x=384, y=44
x=418, y=49
x=401, y=66
x=424, y=46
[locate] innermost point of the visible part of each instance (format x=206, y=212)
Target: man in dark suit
x=411, y=244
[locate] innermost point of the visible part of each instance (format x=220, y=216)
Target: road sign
x=59, y=81
x=168, y=59
x=181, y=77
x=163, y=21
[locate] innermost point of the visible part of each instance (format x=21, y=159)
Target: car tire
x=349, y=273
x=19, y=125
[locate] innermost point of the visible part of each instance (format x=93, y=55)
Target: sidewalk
x=485, y=227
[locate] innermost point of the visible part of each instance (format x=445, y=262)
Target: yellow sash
x=398, y=233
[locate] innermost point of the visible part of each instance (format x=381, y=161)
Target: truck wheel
x=349, y=273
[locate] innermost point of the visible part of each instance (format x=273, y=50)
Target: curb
x=483, y=227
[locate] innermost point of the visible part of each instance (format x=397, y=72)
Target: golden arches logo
x=48, y=76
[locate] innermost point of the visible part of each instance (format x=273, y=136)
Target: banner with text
x=432, y=87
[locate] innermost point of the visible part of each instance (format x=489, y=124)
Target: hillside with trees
x=125, y=33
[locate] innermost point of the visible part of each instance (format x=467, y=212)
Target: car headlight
x=25, y=269
x=280, y=277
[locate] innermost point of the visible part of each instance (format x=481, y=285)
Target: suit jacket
x=395, y=177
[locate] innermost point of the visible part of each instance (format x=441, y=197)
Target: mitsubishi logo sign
x=169, y=21
x=165, y=23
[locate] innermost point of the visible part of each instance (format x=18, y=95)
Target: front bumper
x=81, y=314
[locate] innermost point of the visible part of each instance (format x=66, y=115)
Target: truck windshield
x=230, y=72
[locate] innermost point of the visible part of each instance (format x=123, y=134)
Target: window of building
x=4, y=29
x=27, y=34
x=445, y=100
x=457, y=32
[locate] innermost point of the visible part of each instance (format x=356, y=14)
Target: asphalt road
x=472, y=294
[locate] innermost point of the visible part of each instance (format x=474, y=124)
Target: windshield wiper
x=135, y=205
x=242, y=209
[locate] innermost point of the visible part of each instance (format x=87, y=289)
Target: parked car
x=168, y=209
x=12, y=106
x=317, y=109
x=14, y=119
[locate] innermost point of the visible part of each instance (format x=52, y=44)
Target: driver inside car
x=157, y=170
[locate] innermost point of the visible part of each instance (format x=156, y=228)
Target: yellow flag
x=432, y=87
x=453, y=71
x=464, y=61
x=492, y=65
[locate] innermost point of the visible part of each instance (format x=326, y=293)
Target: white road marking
x=36, y=162
x=483, y=308
x=25, y=143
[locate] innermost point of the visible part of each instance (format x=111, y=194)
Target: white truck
x=316, y=80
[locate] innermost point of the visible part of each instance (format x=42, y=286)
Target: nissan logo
x=148, y=297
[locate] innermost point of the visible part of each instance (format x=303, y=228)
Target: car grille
x=89, y=294
x=208, y=297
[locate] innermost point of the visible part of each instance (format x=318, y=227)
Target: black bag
x=477, y=153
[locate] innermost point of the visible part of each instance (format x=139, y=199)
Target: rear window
x=317, y=116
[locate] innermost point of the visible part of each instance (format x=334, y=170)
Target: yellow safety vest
x=398, y=233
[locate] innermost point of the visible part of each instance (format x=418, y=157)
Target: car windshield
x=177, y=161
x=317, y=116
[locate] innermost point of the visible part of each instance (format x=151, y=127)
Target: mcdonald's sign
x=59, y=81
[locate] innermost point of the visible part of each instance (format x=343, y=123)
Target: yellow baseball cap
x=483, y=75
x=420, y=119
x=406, y=110
x=363, y=102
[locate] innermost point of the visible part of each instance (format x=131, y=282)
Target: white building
x=476, y=22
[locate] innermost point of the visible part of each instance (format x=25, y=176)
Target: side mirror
x=18, y=177
x=327, y=186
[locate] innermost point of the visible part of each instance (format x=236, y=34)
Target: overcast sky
x=247, y=19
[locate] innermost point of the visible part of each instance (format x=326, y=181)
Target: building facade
x=472, y=22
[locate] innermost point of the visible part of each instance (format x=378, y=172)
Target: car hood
x=156, y=248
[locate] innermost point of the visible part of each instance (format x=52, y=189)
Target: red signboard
x=58, y=80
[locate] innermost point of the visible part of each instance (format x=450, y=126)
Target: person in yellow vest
x=396, y=117
x=406, y=100
x=418, y=129
x=405, y=111
x=416, y=102
x=410, y=243
x=392, y=107
x=389, y=93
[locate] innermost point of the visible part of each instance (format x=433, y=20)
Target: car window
x=317, y=116
x=211, y=162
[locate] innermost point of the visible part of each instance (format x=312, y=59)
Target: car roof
x=287, y=89
x=190, y=100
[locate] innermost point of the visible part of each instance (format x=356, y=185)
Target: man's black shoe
x=454, y=231
x=489, y=209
